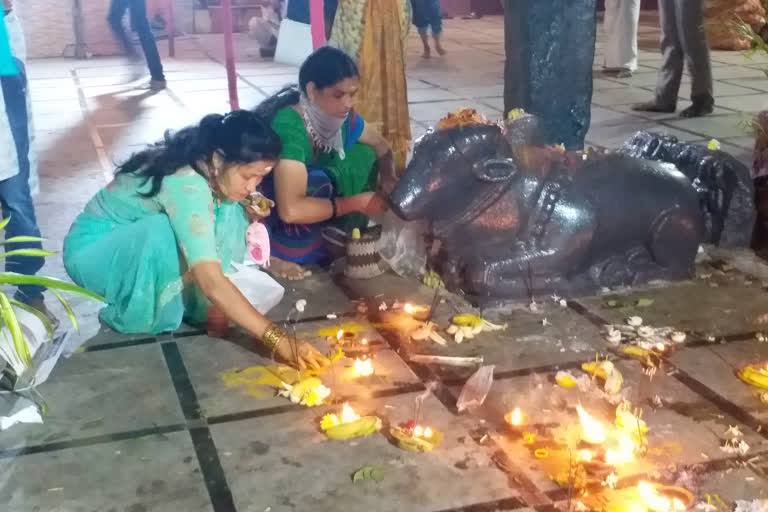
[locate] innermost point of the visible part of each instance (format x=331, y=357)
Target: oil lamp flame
x=364, y=341
x=427, y=432
x=363, y=367
x=418, y=431
x=348, y=414
x=585, y=455
x=657, y=502
x=592, y=431
x=340, y=334
x=623, y=455
x=408, y=309
x=660, y=347
x=515, y=418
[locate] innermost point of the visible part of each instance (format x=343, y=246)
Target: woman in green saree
x=157, y=240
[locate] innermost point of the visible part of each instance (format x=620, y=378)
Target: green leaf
x=27, y=252
x=19, y=343
x=50, y=283
x=19, y=239
x=70, y=313
x=39, y=314
x=643, y=303
x=375, y=473
x=5, y=222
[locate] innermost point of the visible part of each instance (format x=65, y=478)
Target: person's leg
x=117, y=10
x=436, y=22
x=140, y=24
x=671, y=71
x=694, y=42
x=15, y=194
x=421, y=22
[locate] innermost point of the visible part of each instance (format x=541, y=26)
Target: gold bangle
x=273, y=336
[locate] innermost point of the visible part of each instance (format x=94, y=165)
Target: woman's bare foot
x=427, y=53
x=288, y=270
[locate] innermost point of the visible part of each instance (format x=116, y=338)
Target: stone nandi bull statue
x=515, y=217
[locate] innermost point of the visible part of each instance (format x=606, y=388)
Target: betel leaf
x=366, y=473
x=643, y=303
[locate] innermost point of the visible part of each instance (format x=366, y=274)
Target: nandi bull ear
x=494, y=170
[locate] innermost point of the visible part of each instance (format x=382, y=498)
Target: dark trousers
x=140, y=25
x=683, y=40
x=15, y=196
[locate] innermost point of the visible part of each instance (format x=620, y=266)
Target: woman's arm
x=386, y=158
x=295, y=207
x=227, y=298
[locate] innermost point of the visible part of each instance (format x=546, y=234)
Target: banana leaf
x=27, y=252
x=19, y=343
x=5, y=222
x=20, y=239
x=39, y=314
x=68, y=308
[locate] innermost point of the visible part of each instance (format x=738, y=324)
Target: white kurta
x=620, y=25
x=9, y=166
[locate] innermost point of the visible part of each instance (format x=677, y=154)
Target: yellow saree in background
x=375, y=33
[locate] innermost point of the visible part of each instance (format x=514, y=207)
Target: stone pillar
x=550, y=48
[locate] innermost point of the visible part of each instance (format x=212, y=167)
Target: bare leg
x=425, y=41
x=438, y=46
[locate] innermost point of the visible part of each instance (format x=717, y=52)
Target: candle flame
x=339, y=334
x=585, y=455
x=363, y=367
x=418, y=431
x=515, y=417
x=408, y=309
x=623, y=455
x=592, y=431
x=657, y=502
x=348, y=414
x=427, y=432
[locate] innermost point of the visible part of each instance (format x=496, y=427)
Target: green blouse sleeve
x=290, y=128
x=187, y=200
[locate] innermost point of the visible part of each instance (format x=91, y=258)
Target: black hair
x=325, y=67
x=239, y=137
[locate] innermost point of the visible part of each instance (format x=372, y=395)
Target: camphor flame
x=624, y=454
x=427, y=432
x=418, y=431
x=585, y=455
x=514, y=418
x=657, y=502
x=348, y=414
x=340, y=334
x=363, y=367
x=408, y=309
x=592, y=431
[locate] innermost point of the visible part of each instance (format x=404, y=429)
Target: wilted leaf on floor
x=375, y=473
x=643, y=303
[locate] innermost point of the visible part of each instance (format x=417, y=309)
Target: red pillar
x=317, y=23
x=229, y=54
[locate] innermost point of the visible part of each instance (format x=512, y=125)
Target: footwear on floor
x=652, y=106
x=697, y=110
x=39, y=304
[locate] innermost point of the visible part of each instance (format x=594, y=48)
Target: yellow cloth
x=383, y=96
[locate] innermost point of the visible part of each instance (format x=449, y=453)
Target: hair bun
x=210, y=127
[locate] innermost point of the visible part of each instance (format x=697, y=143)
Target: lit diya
x=515, y=419
x=416, y=438
x=363, y=366
x=663, y=498
x=417, y=312
x=348, y=424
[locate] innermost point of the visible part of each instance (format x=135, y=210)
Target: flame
x=585, y=455
x=418, y=431
x=623, y=455
x=339, y=334
x=364, y=341
x=660, y=347
x=657, y=502
x=592, y=431
x=348, y=414
x=408, y=309
x=515, y=417
x=427, y=432
x=363, y=367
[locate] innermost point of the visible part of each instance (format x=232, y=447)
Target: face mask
x=323, y=129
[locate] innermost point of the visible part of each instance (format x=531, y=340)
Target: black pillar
x=550, y=47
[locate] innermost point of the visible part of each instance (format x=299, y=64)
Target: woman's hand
x=368, y=203
x=308, y=357
x=258, y=208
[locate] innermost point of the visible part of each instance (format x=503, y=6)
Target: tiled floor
x=145, y=423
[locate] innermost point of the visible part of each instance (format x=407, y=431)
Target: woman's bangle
x=333, y=205
x=273, y=336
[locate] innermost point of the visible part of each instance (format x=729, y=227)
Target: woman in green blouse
x=334, y=169
x=170, y=224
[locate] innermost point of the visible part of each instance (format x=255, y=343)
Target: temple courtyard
x=172, y=422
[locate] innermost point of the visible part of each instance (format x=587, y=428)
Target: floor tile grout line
x=693, y=384
x=98, y=143
x=205, y=448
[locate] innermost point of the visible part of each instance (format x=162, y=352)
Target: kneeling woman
x=327, y=180
x=171, y=220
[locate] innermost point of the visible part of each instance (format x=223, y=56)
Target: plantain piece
x=565, y=380
x=754, y=375
x=488, y=326
x=452, y=329
x=646, y=356
x=459, y=336
x=606, y=371
x=407, y=441
x=361, y=427
x=422, y=332
x=437, y=338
